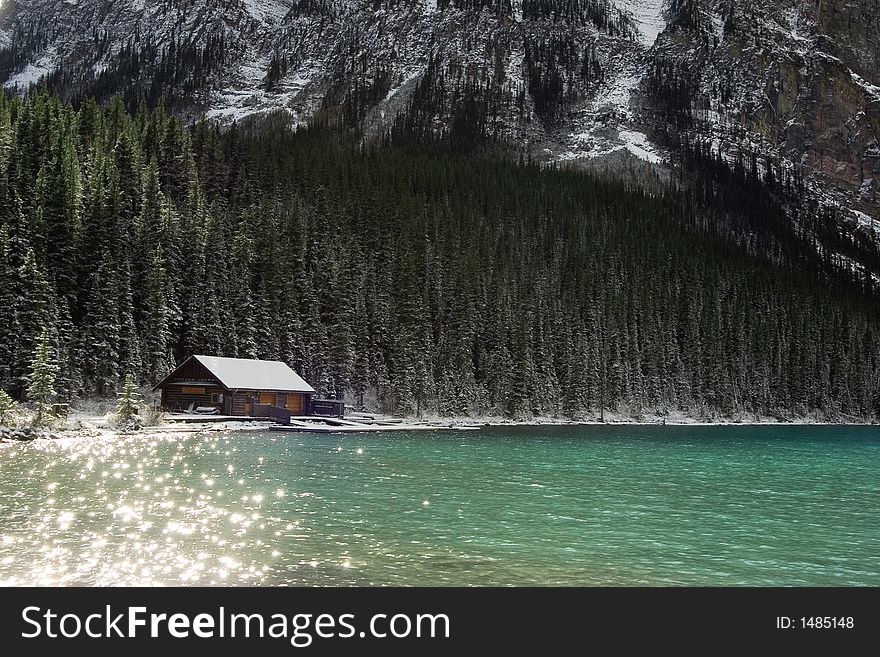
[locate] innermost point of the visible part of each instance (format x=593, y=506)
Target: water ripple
x=507, y=506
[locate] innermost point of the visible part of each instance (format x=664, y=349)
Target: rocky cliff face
x=792, y=81
x=791, y=84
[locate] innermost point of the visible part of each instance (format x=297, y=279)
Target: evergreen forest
x=414, y=277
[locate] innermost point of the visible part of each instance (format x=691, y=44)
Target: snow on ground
x=855, y=267
x=608, y=119
x=616, y=95
x=648, y=416
x=872, y=89
x=409, y=78
x=637, y=143
x=648, y=15
x=250, y=98
x=867, y=221
x=267, y=11
x=630, y=140
x=188, y=427
x=32, y=73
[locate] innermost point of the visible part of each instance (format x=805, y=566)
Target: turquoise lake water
x=565, y=505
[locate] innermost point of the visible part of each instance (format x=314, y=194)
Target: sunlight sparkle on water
x=126, y=527
x=510, y=506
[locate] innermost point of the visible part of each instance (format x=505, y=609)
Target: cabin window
x=192, y=390
x=217, y=398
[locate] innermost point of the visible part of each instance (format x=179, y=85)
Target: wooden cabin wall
x=174, y=397
x=295, y=403
x=238, y=400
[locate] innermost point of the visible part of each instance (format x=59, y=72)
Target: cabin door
x=295, y=404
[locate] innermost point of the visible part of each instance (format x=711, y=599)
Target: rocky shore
x=28, y=434
x=9, y=434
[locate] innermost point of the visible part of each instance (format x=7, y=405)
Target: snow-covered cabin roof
x=248, y=374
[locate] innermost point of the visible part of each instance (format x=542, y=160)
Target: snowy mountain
x=791, y=86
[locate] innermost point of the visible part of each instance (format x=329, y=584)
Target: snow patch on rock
x=637, y=143
x=409, y=78
x=609, y=120
x=632, y=141
x=872, y=89
x=648, y=15
x=267, y=11
x=32, y=73
x=866, y=221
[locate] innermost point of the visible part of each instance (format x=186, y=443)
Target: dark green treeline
x=419, y=281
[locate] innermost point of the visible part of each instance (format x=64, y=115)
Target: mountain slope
x=789, y=86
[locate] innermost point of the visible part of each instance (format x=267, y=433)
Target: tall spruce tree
x=100, y=335
x=41, y=378
x=129, y=402
x=9, y=301
x=7, y=405
x=158, y=358
x=32, y=316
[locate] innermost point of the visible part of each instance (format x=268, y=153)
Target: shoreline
x=670, y=418
x=93, y=428
x=637, y=423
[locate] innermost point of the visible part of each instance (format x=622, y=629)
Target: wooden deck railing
x=280, y=415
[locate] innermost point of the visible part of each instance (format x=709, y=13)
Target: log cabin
x=235, y=386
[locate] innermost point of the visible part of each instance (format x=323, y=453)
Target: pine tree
x=33, y=303
x=158, y=359
x=149, y=230
x=129, y=402
x=69, y=381
x=59, y=204
x=125, y=191
x=244, y=344
x=417, y=275
x=9, y=301
x=129, y=348
x=7, y=404
x=100, y=337
x=341, y=354
x=41, y=382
